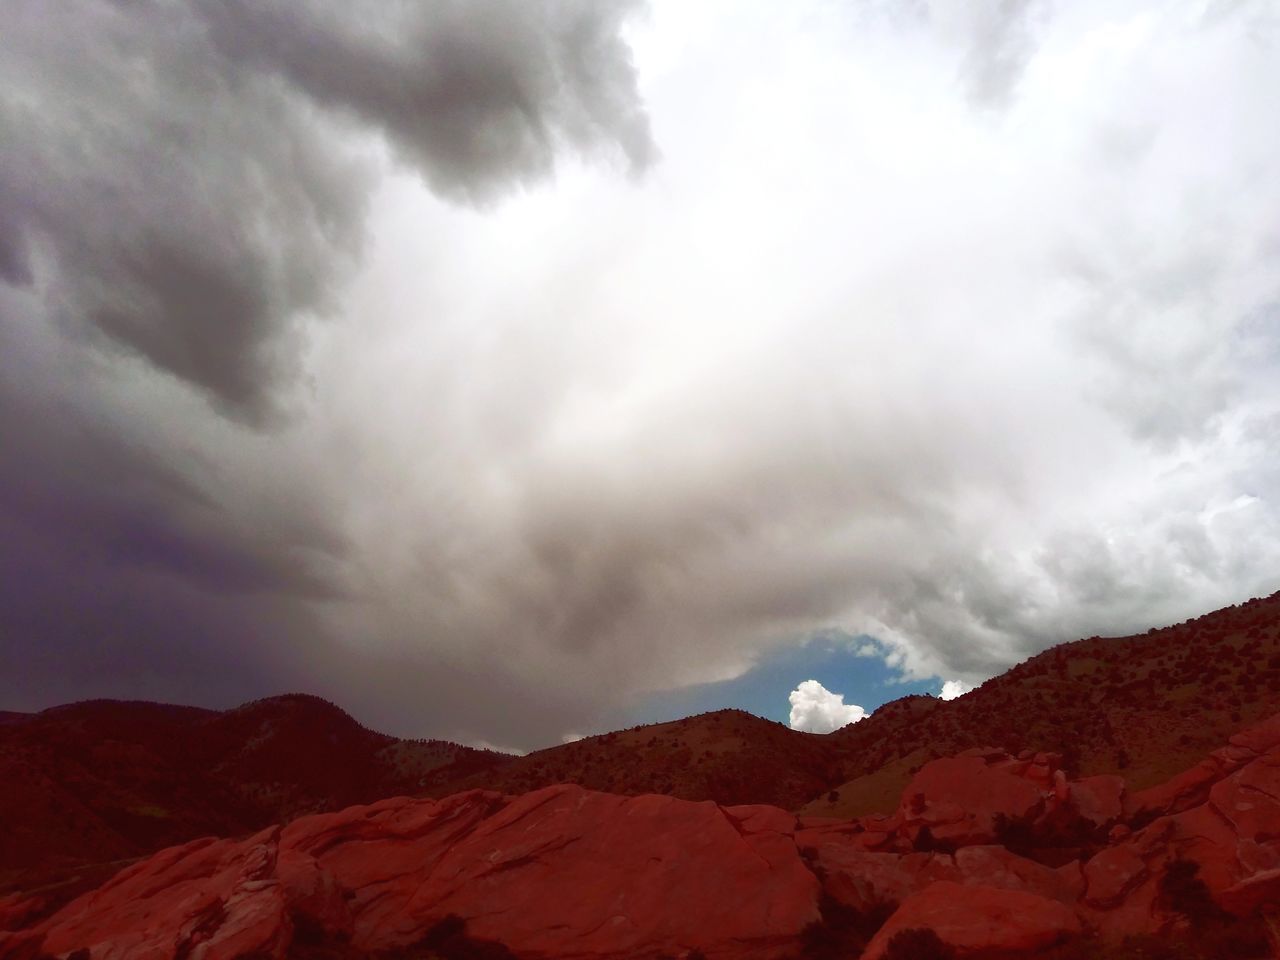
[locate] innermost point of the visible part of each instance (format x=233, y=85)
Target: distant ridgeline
x=103, y=782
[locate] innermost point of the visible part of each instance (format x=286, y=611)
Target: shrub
x=448, y=940
x=926, y=842
x=1182, y=891
x=920, y=943
x=843, y=931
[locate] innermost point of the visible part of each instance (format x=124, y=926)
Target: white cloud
x=815, y=709
x=953, y=688
x=958, y=332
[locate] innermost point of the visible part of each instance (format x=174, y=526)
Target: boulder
x=204, y=900
x=1112, y=874
x=994, y=866
x=560, y=872
x=1227, y=822
x=960, y=799
x=17, y=909
x=865, y=879
x=1191, y=787
x=977, y=919
x=1098, y=800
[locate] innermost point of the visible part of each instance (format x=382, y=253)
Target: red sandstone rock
x=1191, y=788
x=959, y=798
x=994, y=866
x=1099, y=800
x=1112, y=874
x=975, y=918
x=1232, y=834
x=565, y=872
x=866, y=879
x=17, y=909
x=206, y=899
x=561, y=872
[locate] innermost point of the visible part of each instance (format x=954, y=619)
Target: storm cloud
x=486, y=366
x=185, y=178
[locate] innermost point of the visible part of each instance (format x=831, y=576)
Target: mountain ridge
x=99, y=783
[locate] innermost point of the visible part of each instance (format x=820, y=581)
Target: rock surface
x=565, y=872
x=560, y=872
x=975, y=918
x=1224, y=819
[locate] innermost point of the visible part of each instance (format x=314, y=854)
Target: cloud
x=339, y=352
x=815, y=709
x=187, y=180
x=994, y=39
x=953, y=688
x=183, y=196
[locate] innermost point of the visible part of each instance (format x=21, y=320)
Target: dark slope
x=729, y=756
x=1145, y=707
x=104, y=781
x=109, y=780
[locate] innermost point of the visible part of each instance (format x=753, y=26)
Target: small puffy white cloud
x=815, y=709
x=954, y=688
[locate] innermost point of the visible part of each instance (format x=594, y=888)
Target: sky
x=506, y=371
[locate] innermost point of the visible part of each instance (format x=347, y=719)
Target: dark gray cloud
x=476, y=95
x=181, y=178
x=183, y=189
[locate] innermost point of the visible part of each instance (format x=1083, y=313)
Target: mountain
x=729, y=756
x=987, y=855
x=105, y=781
x=91, y=787
x=1143, y=706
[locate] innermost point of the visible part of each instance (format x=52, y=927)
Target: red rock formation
x=561, y=872
x=1227, y=822
x=567, y=872
x=975, y=918
x=960, y=798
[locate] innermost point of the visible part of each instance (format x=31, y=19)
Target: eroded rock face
x=866, y=880
x=1226, y=821
x=974, y=797
x=561, y=872
x=206, y=899
x=1191, y=788
x=960, y=798
x=973, y=919
x=565, y=872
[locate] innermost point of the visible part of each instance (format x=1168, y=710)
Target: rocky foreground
x=564, y=872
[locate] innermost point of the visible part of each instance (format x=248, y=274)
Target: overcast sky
x=496, y=367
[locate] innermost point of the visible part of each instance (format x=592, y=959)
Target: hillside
x=1144, y=707
x=987, y=856
x=105, y=781
x=729, y=756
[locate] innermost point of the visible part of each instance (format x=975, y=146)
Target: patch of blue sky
x=833, y=659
